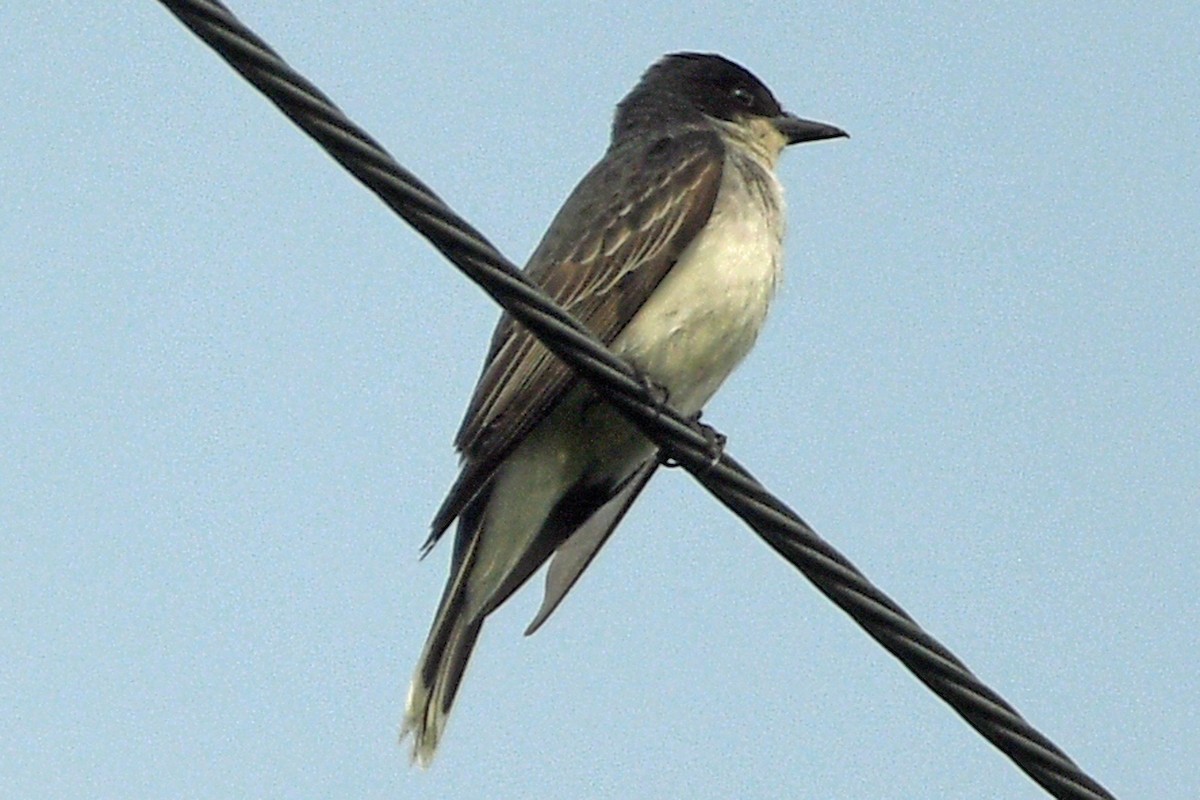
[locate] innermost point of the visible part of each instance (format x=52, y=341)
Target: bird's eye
x=743, y=96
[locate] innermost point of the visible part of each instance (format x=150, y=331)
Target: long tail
x=438, y=675
x=448, y=649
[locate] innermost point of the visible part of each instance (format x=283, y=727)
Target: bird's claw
x=659, y=394
x=714, y=441
x=714, y=444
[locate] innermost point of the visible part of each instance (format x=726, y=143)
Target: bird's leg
x=714, y=440
x=714, y=443
x=659, y=394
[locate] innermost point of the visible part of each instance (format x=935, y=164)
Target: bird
x=669, y=251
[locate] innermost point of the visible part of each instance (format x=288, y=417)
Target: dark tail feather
x=448, y=648
x=573, y=555
x=437, y=678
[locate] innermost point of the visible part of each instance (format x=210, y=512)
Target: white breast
x=706, y=314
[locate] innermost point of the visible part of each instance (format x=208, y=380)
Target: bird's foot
x=659, y=394
x=714, y=443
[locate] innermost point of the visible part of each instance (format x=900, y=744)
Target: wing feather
x=615, y=239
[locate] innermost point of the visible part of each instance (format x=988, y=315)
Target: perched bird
x=669, y=251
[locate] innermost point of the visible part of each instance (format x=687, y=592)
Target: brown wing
x=616, y=237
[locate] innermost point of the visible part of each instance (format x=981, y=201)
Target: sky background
x=229, y=379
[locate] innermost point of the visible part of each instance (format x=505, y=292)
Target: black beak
x=797, y=130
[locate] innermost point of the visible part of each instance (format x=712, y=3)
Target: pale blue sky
x=229, y=379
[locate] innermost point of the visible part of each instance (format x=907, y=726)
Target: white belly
x=706, y=314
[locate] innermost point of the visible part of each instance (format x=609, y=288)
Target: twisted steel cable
x=682, y=440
